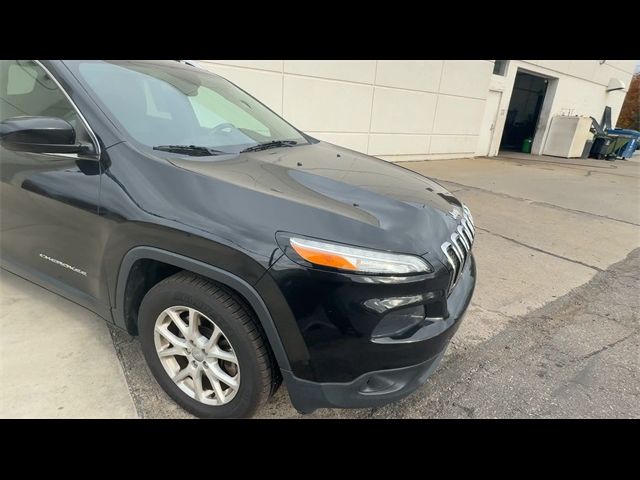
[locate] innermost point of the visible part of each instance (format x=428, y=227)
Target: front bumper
x=367, y=391
x=355, y=347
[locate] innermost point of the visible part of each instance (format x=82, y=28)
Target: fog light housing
x=399, y=322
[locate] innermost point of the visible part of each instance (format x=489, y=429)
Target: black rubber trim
x=211, y=272
x=307, y=396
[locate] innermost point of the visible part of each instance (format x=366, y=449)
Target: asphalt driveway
x=553, y=329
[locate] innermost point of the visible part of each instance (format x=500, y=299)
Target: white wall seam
x=435, y=110
x=373, y=99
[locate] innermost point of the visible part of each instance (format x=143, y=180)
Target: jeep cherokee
x=241, y=251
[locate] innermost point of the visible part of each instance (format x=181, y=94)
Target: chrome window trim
x=92, y=135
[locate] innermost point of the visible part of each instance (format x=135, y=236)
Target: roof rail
x=191, y=63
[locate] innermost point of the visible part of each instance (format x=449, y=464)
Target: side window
x=26, y=89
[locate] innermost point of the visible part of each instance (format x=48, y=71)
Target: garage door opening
x=524, y=110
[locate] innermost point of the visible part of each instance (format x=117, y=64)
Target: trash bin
x=628, y=150
x=619, y=143
x=600, y=146
x=587, y=149
x=526, y=145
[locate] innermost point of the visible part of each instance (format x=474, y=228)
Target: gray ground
x=553, y=329
x=576, y=357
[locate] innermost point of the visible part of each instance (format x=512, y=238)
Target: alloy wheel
x=197, y=355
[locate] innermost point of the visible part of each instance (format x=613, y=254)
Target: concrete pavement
x=609, y=190
x=56, y=358
x=556, y=287
x=537, y=244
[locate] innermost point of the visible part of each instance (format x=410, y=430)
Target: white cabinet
x=567, y=136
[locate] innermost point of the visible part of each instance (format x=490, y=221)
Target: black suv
x=242, y=251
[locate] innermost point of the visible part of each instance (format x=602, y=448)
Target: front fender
x=214, y=273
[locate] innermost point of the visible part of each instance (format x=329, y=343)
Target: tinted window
x=27, y=90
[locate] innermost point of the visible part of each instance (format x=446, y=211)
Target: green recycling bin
x=526, y=145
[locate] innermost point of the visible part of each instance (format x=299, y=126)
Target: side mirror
x=40, y=135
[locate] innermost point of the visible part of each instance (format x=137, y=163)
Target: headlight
x=358, y=260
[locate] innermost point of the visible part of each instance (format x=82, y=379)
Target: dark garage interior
x=524, y=110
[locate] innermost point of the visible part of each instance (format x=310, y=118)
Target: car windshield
x=185, y=110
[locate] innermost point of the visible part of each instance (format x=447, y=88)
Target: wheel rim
x=197, y=355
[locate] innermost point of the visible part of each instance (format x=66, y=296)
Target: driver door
x=49, y=226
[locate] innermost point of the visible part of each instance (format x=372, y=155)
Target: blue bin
x=628, y=150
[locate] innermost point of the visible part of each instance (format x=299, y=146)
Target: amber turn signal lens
x=318, y=257
x=356, y=259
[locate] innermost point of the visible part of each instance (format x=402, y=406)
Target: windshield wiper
x=274, y=144
x=193, y=150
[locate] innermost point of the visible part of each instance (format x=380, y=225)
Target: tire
x=211, y=304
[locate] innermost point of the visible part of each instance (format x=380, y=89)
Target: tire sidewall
x=162, y=297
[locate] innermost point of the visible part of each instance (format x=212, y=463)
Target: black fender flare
x=214, y=273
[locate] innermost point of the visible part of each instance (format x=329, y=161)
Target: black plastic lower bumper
x=422, y=350
x=369, y=390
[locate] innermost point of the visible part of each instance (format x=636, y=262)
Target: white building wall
x=413, y=110
x=400, y=110
x=576, y=87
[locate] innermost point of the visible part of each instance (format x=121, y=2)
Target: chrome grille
x=458, y=249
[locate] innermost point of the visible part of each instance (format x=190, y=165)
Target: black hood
x=329, y=192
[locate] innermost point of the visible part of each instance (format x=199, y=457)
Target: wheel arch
x=211, y=272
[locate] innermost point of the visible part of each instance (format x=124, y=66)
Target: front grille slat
x=451, y=256
x=467, y=214
x=468, y=228
x=463, y=238
x=458, y=249
x=468, y=235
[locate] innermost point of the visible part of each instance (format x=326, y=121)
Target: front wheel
x=205, y=348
